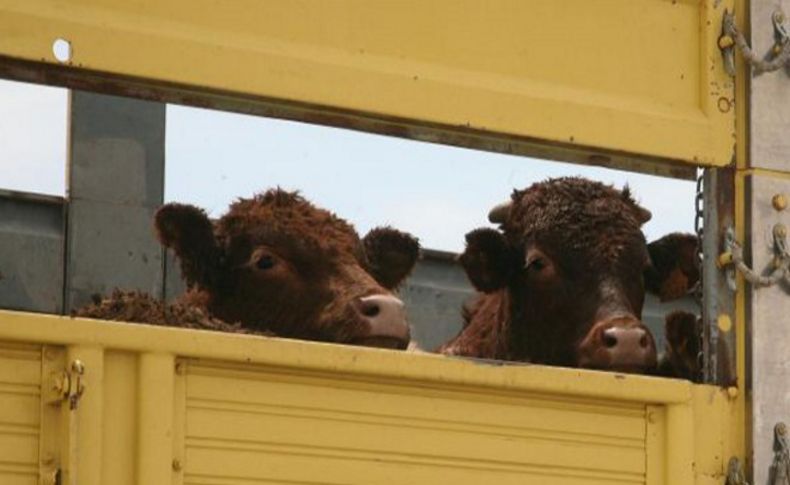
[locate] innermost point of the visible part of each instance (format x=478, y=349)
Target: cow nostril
x=609, y=340
x=370, y=309
x=643, y=341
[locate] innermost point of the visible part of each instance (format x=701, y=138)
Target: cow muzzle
x=621, y=344
x=386, y=319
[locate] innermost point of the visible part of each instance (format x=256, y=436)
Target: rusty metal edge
x=461, y=136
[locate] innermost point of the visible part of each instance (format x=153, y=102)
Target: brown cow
x=562, y=279
x=277, y=264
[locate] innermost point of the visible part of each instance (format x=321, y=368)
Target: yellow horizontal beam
x=596, y=82
x=354, y=361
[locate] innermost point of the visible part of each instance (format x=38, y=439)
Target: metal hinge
x=735, y=475
x=68, y=385
x=776, y=58
x=780, y=468
x=733, y=260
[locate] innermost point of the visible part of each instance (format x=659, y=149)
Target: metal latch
x=68, y=385
x=735, y=475
x=776, y=58
x=732, y=259
x=780, y=468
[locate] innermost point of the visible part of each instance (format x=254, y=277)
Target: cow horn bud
x=500, y=212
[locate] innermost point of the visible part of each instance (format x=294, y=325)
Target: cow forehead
x=577, y=217
x=285, y=219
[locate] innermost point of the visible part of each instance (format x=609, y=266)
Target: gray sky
x=436, y=192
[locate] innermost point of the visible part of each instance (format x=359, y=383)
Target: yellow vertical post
x=83, y=419
x=155, y=423
x=680, y=444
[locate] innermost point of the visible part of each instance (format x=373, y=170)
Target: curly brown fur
x=589, y=235
x=139, y=307
x=276, y=263
x=682, y=346
x=487, y=259
x=674, y=267
x=391, y=255
x=189, y=232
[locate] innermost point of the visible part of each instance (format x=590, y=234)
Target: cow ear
x=391, y=255
x=682, y=346
x=188, y=231
x=488, y=259
x=673, y=270
x=642, y=215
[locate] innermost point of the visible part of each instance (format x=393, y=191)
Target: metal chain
x=699, y=230
x=778, y=57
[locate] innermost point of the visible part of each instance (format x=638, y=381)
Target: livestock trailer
x=657, y=86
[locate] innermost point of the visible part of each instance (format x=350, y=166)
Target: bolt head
x=779, y=201
x=725, y=42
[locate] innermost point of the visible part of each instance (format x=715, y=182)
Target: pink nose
x=387, y=319
x=622, y=344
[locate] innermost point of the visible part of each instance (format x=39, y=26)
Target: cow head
x=681, y=355
x=276, y=262
x=571, y=258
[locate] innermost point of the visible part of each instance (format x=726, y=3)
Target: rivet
x=180, y=368
x=48, y=458
x=176, y=465
x=725, y=42
x=724, y=322
x=651, y=417
x=724, y=260
x=732, y=392
x=781, y=428
x=779, y=201
x=724, y=105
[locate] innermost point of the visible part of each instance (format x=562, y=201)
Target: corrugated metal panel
x=574, y=79
x=31, y=252
x=165, y=405
x=20, y=397
x=252, y=424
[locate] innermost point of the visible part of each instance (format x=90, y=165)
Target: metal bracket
x=732, y=259
x=68, y=385
x=776, y=58
x=735, y=475
x=780, y=468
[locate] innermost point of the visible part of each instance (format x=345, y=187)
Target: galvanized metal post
x=116, y=182
x=767, y=308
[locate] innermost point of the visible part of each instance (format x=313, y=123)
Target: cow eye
x=535, y=264
x=265, y=262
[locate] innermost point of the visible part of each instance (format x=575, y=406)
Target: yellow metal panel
x=622, y=76
x=253, y=424
x=121, y=403
x=20, y=394
x=244, y=409
x=364, y=362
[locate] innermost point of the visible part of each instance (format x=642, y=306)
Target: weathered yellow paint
x=181, y=406
x=20, y=396
x=636, y=77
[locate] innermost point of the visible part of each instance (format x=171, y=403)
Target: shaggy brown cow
x=276, y=263
x=563, y=280
x=682, y=346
